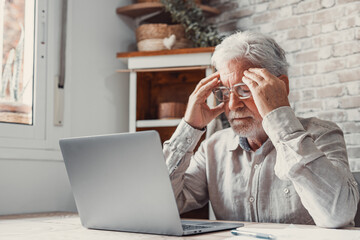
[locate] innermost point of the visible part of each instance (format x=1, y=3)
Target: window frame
x=40, y=140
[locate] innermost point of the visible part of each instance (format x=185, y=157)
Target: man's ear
x=285, y=79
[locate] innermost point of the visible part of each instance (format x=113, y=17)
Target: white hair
x=259, y=49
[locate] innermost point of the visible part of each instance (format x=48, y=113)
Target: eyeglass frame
x=230, y=89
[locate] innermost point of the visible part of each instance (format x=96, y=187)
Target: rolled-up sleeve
x=315, y=160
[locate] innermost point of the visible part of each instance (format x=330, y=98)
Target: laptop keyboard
x=187, y=227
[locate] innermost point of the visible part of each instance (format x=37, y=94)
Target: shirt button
x=188, y=140
x=256, y=166
x=354, y=183
x=251, y=199
x=286, y=190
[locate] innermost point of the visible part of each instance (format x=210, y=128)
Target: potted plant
x=188, y=14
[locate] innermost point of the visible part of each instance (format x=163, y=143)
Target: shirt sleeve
x=315, y=160
x=187, y=172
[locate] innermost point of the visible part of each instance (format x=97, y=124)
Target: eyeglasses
x=240, y=90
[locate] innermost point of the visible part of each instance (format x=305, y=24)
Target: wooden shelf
x=158, y=123
x=165, y=69
x=140, y=9
x=165, y=52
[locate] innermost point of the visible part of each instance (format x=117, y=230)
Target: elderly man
x=270, y=166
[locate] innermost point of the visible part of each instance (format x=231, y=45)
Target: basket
x=160, y=30
x=150, y=37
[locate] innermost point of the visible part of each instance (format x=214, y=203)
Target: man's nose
x=235, y=102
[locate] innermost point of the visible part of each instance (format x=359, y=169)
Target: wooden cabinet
x=163, y=76
x=154, y=88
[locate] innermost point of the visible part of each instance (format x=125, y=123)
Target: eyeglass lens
x=240, y=90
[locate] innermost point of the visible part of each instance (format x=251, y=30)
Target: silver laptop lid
x=118, y=183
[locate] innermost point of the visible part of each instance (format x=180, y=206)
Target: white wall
x=29, y=186
x=99, y=95
x=96, y=103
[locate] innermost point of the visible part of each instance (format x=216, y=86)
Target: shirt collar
x=265, y=148
x=233, y=144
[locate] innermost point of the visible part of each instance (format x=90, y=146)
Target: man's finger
x=263, y=72
x=206, y=80
x=218, y=109
x=253, y=76
x=250, y=83
x=205, y=90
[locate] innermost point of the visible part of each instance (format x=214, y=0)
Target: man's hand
x=198, y=114
x=269, y=92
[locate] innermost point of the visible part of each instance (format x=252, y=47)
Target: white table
x=53, y=226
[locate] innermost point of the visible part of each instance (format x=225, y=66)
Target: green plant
x=187, y=13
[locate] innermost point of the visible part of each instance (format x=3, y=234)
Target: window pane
x=17, y=51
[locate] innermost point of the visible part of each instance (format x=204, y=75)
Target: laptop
x=120, y=182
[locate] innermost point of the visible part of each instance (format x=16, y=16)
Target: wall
x=96, y=102
x=99, y=95
x=321, y=39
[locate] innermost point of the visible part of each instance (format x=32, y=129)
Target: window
x=23, y=45
x=17, y=51
x=38, y=138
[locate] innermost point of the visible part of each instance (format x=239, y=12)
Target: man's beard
x=248, y=126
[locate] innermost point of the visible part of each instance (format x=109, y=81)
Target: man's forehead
x=228, y=78
x=235, y=67
x=232, y=72
x=229, y=74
